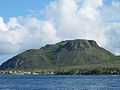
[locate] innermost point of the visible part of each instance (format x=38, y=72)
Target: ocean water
x=30, y=82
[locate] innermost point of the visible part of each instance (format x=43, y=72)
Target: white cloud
x=25, y=33
x=2, y=25
x=77, y=21
x=111, y=16
x=113, y=35
x=116, y=3
x=64, y=19
x=111, y=13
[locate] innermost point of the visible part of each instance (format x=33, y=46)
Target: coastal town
x=18, y=72
x=83, y=71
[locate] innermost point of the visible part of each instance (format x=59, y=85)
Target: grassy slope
x=64, y=55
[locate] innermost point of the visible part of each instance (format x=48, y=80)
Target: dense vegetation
x=89, y=71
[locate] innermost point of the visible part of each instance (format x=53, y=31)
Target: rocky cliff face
x=63, y=54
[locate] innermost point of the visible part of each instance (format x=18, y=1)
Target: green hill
x=66, y=54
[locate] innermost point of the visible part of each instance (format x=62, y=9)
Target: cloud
x=111, y=16
x=116, y=3
x=111, y=13
x=113, y=35
x=77, y=21
x=2, y=25
x=64, y=19
x=24, y=33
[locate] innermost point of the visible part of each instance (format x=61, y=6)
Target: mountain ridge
x=67, y=53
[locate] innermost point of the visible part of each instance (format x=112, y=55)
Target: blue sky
x=22, y=27
x=12, y=8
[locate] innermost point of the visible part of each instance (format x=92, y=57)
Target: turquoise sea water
x=30, y=82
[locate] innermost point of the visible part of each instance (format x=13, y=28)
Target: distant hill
x=69, y=53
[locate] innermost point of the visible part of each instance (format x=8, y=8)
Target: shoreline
x=70, y=71
x=56, y=75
